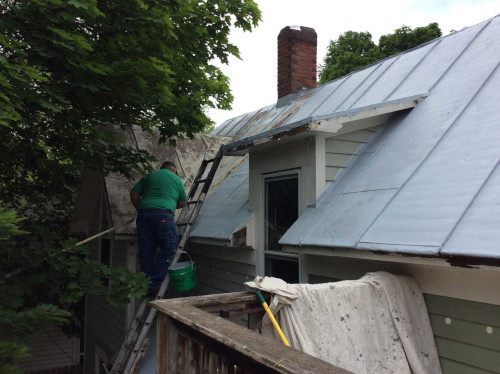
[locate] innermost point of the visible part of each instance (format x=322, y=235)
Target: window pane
x=282, y=207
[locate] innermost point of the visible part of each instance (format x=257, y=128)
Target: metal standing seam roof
x=427, y=183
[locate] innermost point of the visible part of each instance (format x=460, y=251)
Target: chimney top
x=297, y=47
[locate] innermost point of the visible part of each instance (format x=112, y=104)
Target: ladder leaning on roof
x=129, y=356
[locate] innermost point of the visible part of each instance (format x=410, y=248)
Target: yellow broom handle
x=271, y=317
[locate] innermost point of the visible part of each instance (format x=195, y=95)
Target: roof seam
x=326, y=98
x=268, y=109
x=412, y=69
x=252, y=116
x=371, y=85
x=378, y=189
x=484, y=182
x=406, y=245
x=240, y=119
x=460, y=54
x=379, y=64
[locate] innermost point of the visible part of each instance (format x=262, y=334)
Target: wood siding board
x=465, y=332
x=332, y=172
x=108, y=322
x=453, y=367
x=223, y=284
x=470, y=355
x=207, y=289
x=231, y=266
x=357, y=136
x=50, y=348
x=218, y=274
x=242, y=255
x=486, y=314
x=337, y=159
x=342, y=146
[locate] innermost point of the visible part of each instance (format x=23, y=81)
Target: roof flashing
x=334, y=123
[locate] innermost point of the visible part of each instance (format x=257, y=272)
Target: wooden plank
x=224, y=265
x=358, y=136
x=486, y=314
x=225, y=274
x=331, y=173
x=245, y=255
x=341, y=146
x=252, y=351
x=467, y=354
x=466, y=332
x=452, y=367
x=336, y=159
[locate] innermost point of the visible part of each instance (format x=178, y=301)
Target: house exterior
x=393, y=167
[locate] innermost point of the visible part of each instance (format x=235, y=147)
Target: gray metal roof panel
x=321, y=95
x=435, y=197
x=478, y=232
x=358, y=92
x=430, y=120
x=431, y=181
x=226, y=209
x=427, y=72
x=342, y=94
x=393, y=76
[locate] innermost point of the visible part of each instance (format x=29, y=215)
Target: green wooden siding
x=221, y=269
x=339, y=149
x=467, y=334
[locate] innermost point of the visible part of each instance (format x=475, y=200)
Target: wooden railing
x=205, y=334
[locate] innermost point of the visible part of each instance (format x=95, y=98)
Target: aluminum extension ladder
x=135, y=343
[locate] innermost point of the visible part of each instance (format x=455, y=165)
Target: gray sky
x=253, y=78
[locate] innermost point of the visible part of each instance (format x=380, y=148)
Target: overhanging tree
x=68, y=67
x=355, y=50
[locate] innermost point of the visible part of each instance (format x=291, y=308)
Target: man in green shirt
x=156, y=196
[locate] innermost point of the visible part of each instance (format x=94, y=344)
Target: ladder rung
x=203, y=180
x=183, y=224
x=192, y=202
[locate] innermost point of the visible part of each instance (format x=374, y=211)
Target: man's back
x=160, y=189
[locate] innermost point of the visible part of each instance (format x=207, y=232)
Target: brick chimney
x=296, y=59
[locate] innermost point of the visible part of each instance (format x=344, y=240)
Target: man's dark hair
x=167, y=164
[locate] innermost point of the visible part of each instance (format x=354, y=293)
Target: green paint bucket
x=183, y=275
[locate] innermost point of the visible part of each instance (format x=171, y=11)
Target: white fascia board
x=363, y=117
x=332, y=124
x=374, y=256
x=209, y=241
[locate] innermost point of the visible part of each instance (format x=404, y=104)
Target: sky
x=253, y=78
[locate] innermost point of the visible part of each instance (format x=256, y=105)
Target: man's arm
x=181, y=204
x=135, y=198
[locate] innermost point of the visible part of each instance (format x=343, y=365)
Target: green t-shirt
x=160, y=189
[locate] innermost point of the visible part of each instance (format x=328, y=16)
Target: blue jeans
x=156, y=228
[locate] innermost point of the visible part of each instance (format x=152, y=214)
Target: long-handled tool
x=271, y=317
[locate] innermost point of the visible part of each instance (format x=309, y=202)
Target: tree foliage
x=69, y=70
x=67, y=67
x=355, y=50
x=43, y=281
